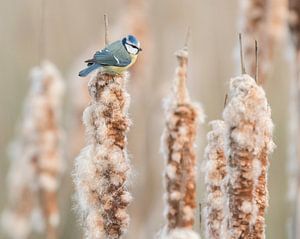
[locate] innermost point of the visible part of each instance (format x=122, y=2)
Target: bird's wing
x=114, y=55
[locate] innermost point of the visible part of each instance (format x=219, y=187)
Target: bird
x=115, y=58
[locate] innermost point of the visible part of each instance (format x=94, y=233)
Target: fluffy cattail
x=294, y=144
x=49, y=137
x=264, y=21
x=18, y=218
x=178, y=144
x=215, y=172
x=102, y=168
x=248, y=142
x=37, y=160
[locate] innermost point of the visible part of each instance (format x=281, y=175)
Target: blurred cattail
x=248, y=142
x=49, y=157
x=178, y=145
x=102, y=168
x=37, y=159
x=264, y=21
x=215, y=172
x=294, y=142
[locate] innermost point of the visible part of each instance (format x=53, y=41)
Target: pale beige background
x=74, y=26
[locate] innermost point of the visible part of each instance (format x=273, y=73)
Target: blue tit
x=114, y=58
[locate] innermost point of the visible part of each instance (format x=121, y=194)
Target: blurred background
x=74, y=30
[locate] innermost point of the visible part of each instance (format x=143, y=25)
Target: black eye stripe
x=133, y=46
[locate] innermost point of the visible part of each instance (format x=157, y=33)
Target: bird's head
x=131, y=44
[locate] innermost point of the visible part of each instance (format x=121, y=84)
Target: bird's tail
x=88, y=70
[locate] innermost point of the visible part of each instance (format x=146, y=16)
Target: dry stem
x=106, y=29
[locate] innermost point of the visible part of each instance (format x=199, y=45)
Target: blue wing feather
x=113, y=55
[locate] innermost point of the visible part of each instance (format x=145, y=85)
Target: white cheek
x=131, y=50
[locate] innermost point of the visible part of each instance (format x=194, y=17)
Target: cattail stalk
x=178, y=143
x=248, y=143
x=37, y=160
x=215, y=172
x=264, y=21
x=102, y=169
x=294, y=157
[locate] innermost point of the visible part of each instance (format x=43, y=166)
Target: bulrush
x=102, y=169
x=178, y=145
x=37, y=160
x=248, y=143
x=215, y=172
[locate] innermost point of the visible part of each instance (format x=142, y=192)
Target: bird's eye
x=131, y=49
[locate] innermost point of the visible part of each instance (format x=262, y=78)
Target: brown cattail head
x=264, y=21
x=37, y=159
x=215, y=172
x=248, y=142
x=178, y=145
x=50, y=163
x=102, y=168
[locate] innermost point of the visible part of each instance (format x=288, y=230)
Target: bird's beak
x=140, y=49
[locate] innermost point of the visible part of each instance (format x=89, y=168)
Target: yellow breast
x=118, y=69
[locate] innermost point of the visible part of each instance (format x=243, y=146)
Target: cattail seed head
x=178, y=143
x=215, y=172
x=102, y=168
x=37, y=158
x=248, y=142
